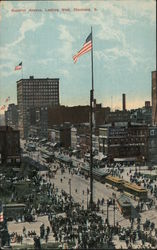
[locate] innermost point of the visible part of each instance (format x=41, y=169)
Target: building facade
x=152, y=144
x=35, y=92
x=61, y=135
x=11, y=116
x=124, y=140
x=46, y=117
x=9, y=145
x=142, y=115
x=118, y=116
x=154, y=98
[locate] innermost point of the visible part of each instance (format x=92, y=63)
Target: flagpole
x=91, y=128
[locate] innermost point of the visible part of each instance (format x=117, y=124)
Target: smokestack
x=123, y=102
x=147, y=104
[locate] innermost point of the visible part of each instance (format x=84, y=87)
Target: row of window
x=41, y=84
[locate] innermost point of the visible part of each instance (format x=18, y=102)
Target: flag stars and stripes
x=18, y=67
x=86, y=47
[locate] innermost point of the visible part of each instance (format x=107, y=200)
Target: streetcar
x=98, y=174
x=114, y=181
x=135, y=190
x=124, y=205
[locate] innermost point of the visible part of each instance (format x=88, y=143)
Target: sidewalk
x=33, y=226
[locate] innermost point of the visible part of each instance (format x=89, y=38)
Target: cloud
x=27, y=25
x=65, y=34
x=139, y=9
x=6, y=70
x=126, y=21
x=67, y=41
x=9, y=52
x=113, y=54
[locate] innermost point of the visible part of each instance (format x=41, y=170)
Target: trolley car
x=114, y=181
x=98, y=174
x=124, y=205
x=135, y=190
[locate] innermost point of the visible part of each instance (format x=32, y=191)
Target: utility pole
x=114, y=208
x=107, y=212
x=70, y=189
x=91, y=128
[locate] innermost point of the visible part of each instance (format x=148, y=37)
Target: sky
x=45, y=37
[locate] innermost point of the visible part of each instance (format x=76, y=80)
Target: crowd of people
x=83, y=228
x=79, y=227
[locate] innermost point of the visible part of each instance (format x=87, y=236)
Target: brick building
x=9, y=145
x=44, y=118
x=124, y=140
x=11, y=116
x=61, y=134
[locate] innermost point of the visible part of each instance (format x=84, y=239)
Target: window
x=152, y=132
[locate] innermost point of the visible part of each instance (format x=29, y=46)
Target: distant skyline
x=44, y=38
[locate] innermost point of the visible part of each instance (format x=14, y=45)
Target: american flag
x=3, y=107
x=7, y=99
x=86, y=47
x=1, y=214
x=18, y=67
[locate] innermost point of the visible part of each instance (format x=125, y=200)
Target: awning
x=75, y=151
x=100, y=157
x=128, y=159
x=53, y=144
x=43, y=140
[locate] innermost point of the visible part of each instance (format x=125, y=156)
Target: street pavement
x=78, y=190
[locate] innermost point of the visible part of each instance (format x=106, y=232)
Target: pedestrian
x=24, y=230
x=46, y=238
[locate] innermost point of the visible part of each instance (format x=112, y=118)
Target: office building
x=35, y=92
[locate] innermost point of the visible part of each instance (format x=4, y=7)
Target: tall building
x=11, y=116
x=35, y=92
x=154, y=99
x=9, y=146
